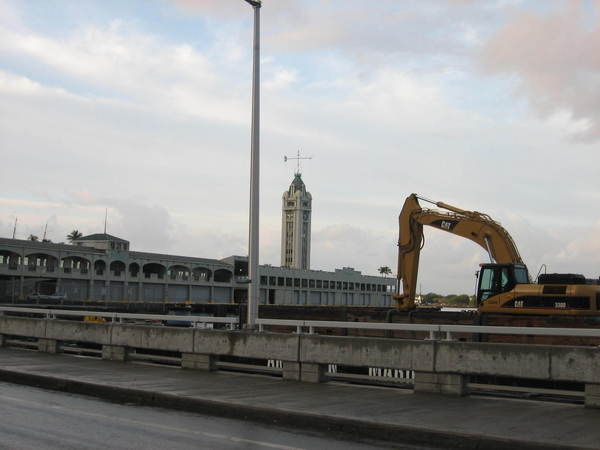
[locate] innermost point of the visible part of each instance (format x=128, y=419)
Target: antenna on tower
x=297, y=158
x=15, y=227
x=45, y=230
x=105, y=219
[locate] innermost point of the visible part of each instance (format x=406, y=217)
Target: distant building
x=103, y=241
x=103, y=267
x=296, y=225
x=342, y=287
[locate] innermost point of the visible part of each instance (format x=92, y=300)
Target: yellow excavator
x=504, y=285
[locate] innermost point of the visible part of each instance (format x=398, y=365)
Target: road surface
x=32, y=418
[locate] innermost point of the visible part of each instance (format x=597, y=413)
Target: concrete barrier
x=370, y=352
x=279, y=346
x=439, y=366
x=158, y=338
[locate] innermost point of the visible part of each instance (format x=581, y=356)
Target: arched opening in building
x=71, y=264
x=117, y=268
x=201, y=274
x=41, y=261
x=179, y=272
x=10, y=259
x=154, y=270
x=223, y=275
x=99, y=267
x=134, y=269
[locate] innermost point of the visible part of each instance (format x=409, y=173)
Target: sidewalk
x=393, y=415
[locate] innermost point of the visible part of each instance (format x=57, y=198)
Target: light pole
x=253, y=275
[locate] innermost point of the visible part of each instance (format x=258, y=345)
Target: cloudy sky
x=143, y=107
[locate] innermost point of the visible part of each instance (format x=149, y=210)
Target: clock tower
x=295, y=225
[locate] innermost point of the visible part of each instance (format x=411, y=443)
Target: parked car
x=37, y=296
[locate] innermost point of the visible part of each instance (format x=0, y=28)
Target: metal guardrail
x=532, y=331
x=119, y=317
x=311, y=326
x=433, y=329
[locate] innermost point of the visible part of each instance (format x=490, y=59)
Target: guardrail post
x=440, y=383
x=48, y=346
x=199, y=361
x=305, y=372
x=114, y=352
x=592, y=395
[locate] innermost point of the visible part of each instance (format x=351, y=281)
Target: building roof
x=297, y=184
x=100, y=237
x=48, y=245
x=177, y=258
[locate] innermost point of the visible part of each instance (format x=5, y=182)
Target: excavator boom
x=475, y=226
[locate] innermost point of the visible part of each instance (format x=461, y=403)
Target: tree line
x=434, y=299
x=75, y=234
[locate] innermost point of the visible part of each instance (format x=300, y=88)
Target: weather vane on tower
x=297, y=158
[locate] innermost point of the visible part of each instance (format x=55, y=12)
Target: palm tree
x=75, y=234
x=33, y=237
x=385, y=270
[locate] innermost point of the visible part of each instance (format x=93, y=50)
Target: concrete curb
x=356, y=430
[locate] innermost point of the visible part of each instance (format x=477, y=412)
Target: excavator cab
x=495, y=279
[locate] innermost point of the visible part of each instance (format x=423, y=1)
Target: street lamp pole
x=253, y=274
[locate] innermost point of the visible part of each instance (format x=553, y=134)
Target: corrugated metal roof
x=47, y=245
x=100, y=237
x=186, y=259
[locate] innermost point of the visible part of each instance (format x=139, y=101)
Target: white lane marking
x=156, y=425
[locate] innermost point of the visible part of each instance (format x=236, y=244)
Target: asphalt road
x=32, y=418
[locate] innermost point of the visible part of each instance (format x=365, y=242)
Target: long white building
x=104, y=267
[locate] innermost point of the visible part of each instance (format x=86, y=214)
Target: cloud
x=555, y=57
x=581, y=252
x=9, y=15
x=365, y=249
x=376, y=34
x=155, y=127
x=236, y=9
x=218, y=8
x=281, y=79
x=128, y=65
x=149, y=225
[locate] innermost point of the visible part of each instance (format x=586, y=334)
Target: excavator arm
x=475, y=226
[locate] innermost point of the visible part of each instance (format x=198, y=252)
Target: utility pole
x=253, y=272
x=105, y=219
